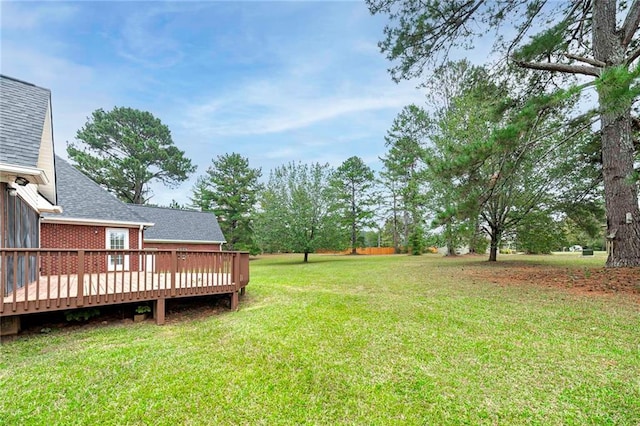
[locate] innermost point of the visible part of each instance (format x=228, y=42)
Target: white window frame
x=112, y=261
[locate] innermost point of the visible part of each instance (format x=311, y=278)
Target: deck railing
x=37, y=280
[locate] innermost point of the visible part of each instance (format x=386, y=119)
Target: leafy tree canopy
x=296, y=214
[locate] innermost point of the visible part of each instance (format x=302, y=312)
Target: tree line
x=555, y=52
x=501, y=152
x=302, y=208
x=424, y=194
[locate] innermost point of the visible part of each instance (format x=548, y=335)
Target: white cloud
x=75, y=88
x=147, y=43
x=273, y=107
x=150, y=36
x=30, y=15
x=275, y=82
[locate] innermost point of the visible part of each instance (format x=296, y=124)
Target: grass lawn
x=347, y=340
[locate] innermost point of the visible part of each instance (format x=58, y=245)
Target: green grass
x=347, y=340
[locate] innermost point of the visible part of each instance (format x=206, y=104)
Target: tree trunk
x=396, y=245
x=354, y=238
x=620, y=192
x=137, y=194
x=405, y=230
x=449, y=240
x=306, y=257
x=354, y=233
x=495, y=245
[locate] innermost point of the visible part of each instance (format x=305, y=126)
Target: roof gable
x=26, y=135
x=180, y=225
x=23, y=111
x=82, y=198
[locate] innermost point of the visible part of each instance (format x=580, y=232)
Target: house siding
x=72, y=237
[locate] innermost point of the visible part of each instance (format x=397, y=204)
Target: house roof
x=180, y=225
x=23, y=109
x=82, y=198
x=26, y=141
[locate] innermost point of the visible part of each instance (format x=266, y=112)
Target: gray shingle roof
x=23, y=107
x=180, y=225
x=82, y=198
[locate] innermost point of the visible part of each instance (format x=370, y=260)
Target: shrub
x=143, y=309
x=416, y=239
x=81, y=314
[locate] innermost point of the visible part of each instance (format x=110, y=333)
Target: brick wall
x=73, y=237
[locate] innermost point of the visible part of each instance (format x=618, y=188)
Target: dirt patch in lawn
x=586, y=280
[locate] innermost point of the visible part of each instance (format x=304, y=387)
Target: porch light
x=21, y=181
x=12, y=192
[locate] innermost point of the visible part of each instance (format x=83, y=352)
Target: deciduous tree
x=295, y=211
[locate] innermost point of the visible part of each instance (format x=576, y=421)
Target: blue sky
x=273, y=81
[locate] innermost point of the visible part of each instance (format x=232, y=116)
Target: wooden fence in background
x=362, y=250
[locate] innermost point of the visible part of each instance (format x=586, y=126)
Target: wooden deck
x=70, y=281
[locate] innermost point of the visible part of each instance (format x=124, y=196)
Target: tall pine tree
x=230, y=189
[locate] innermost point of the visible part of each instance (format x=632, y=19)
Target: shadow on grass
x=507, y=261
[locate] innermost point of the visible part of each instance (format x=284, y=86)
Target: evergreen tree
x=404, y=170
x=125, y=150
x=497, y=157
x=596, y=40
x=230, y=189
x=353, y=184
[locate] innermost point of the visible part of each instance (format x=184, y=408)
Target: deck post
x=174, y=271
x=14, y=300
x=236, y=271
x=158, y=311
x=80, y=300
x=3, y=275
x=234, y=300
x=242, y=291
x=9, y=325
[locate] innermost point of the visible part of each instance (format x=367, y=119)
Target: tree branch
x=633, y=56
x=524, y=28
x=578, y=33
x=631, y=23
x=570, y=69
x=589, y=61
